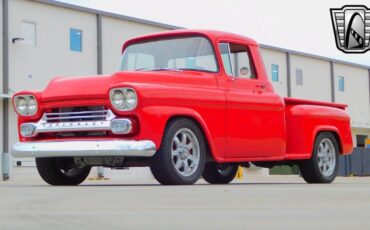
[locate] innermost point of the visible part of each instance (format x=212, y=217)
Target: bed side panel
x=304, y=122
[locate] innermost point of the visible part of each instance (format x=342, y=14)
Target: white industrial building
x=44, y=38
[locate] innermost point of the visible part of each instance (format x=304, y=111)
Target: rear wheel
x=61, y=171
x=323, y=165
x=181, y=157
x=215, y=173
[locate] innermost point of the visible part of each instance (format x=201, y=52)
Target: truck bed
x=306, y=118
x=296, y=101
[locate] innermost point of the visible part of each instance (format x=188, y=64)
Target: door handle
x=261, y=86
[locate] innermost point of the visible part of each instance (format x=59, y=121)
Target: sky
x=297, y=25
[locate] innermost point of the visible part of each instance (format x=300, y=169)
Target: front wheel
x=323, y=165
x=215, y=173
x=181, y=157
x=61, y=171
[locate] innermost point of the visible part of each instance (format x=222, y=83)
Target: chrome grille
x=74, y=114
x=75, y=122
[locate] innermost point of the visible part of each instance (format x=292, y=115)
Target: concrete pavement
x=275, y=202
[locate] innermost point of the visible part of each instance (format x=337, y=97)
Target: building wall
x=316, y=78
x=278, y=58
x=123, y=31
x=1, y=132
x=355, y=94
x=32, y=67
x=1, y=82
x=1, y=47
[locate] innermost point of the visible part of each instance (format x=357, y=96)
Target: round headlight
x=26, y=105
x=131, y=98
x=32, y=105
x=123, y=99
x=118, y=98
x=22, y=105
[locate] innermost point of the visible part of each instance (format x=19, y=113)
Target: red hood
x=97, y=87
x=66, y=88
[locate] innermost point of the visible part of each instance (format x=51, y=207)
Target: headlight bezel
x=27, y=112
x=125, y=91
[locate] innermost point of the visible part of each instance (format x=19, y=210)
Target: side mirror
x=244, y=71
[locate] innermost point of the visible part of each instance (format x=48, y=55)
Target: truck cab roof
x=213, y=35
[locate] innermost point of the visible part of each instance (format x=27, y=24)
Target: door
x=255, y=122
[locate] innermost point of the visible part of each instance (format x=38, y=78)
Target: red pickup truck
x=186, y=103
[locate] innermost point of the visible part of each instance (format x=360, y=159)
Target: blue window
x=341, y=84
x=274, y=72
x=75, y=40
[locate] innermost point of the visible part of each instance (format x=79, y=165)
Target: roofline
x=314, y=56
x=172, y=27
x=107, y=14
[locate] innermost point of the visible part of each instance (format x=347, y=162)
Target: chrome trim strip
x=144, y=148
x=75, y=113
x=70, y=126
x=75, y=117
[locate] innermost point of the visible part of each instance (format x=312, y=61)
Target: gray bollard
x=5, y=166
x=100, y=172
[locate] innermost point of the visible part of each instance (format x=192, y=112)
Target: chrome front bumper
x=128, y=148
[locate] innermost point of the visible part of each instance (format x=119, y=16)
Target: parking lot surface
x=274, y=202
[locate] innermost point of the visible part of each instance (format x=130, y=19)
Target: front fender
x=153, y=121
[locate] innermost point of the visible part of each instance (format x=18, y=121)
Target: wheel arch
x=332, y=130
x=203, y=127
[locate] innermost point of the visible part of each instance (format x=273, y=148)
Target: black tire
x=162, y=164
x=58, y=171
x=215, y=173
x=310, y=169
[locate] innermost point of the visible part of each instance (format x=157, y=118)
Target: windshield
x=182, y=53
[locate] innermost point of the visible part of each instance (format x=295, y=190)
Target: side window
x=226, y=60
x=341, y=83
x=237, y=61
x=274, y=72
x=75, y=40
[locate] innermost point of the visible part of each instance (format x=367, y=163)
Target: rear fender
x=305, y=122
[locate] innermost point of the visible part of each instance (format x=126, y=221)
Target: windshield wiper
x=141, y=69
x=167, y=69
x=160, y=69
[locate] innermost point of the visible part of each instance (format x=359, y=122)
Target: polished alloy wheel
x=185, y=152
x=326, y=157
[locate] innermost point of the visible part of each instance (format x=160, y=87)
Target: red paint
x=242, y=119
